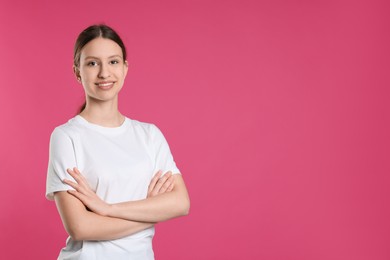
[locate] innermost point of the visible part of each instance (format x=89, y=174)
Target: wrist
x=108, y=212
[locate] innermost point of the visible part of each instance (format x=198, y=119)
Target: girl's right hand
x=159, y=185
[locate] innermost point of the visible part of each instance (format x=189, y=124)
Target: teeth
x=105, y=84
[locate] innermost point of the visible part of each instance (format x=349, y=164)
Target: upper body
x=102, y=165
x=118, y=164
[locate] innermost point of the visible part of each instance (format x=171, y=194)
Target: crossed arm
x=167, y=198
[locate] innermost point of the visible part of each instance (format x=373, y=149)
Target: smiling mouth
x=105, y=85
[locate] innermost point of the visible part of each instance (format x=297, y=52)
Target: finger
x=70, y=172
x=154, y=181
x=79, y=185
x=79, y=175
x=76, y=186
x=76, y=170
x=79, y=178
x=70, y=183
x=79, y=196
x=171, y=187
x=74, y=175
x=164, y=188
x=161, y=182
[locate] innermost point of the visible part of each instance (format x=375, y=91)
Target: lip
x=105, y=84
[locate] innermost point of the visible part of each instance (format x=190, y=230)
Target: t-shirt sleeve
x=61, y=157
x=163, y=157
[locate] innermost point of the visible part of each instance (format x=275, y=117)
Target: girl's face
x=102, y=69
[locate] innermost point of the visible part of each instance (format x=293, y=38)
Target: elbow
x=185, y=207
x=76, y=236
x=76, y=233
x=186, y=212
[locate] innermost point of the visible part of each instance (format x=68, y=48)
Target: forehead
x=101, y=48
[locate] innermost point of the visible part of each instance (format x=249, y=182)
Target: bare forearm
x=96, y=227
x=85, y=225
x=155, y=209
x=173, y=202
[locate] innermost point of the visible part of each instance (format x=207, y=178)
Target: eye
x=92, y=63
x=114, y=62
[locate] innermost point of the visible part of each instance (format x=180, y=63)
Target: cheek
x=84, y=76
x=120, y=75
x=89, y=72
x=124, y=74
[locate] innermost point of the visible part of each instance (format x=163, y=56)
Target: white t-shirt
x=118, y=164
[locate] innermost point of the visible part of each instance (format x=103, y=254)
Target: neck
x=103, y=113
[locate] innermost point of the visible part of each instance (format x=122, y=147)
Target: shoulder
x=68, y=129
x=149, y=131
x=147, y=128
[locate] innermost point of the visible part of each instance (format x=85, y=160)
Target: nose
x=104, y=71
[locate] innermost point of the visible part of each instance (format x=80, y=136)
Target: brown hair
x=90, y=33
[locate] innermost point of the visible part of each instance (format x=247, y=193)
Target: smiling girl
x=112, y=178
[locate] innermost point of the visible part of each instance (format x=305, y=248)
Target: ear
x=76, y=72
x=126, y=67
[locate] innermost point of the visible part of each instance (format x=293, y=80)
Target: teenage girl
x=112, y=178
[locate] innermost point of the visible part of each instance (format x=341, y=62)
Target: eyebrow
x=96, y=58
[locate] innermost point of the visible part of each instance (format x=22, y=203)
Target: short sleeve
x=162, y=154
x=61, y=157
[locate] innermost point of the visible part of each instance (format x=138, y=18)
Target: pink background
x=277, y=113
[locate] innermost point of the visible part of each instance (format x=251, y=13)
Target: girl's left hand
x=85, y=194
